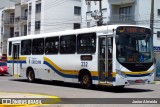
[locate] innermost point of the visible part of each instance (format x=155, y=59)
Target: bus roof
x=107, y=28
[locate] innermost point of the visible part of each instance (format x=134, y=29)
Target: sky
x=6, y=3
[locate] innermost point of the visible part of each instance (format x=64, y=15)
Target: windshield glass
x=132, y=48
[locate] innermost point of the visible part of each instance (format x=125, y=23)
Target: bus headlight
x=121, y=73
x=151, y=74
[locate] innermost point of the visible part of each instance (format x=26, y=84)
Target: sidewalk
x=157, y=82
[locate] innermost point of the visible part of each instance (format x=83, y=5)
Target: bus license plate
x=138, y=81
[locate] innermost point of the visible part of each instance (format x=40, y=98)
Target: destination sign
x=132, y=30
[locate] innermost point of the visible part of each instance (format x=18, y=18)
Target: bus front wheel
x=85, y=81
x=31, y=75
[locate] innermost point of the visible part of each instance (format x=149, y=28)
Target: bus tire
x=31, y=75
x=85, y=80
x=119, y=87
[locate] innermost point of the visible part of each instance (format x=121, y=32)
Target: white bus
x=115, y=55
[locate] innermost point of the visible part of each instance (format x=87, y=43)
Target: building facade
x=53, y=15
x=29, y=17
x=7, y=27
x=4, y=5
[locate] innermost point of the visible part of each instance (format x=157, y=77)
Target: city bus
x=113, y=55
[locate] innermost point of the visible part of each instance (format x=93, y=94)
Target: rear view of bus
x=134, y=55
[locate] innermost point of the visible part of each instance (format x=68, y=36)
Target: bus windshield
x=134, y=48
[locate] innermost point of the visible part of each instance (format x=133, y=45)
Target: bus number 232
x=84, y=64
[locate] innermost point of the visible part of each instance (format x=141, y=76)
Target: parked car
x=3, y=68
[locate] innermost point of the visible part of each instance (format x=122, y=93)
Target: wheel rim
x=30, y=76
x=86, y=81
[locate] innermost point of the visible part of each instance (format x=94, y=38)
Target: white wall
x=144, y=9
x=56, y=15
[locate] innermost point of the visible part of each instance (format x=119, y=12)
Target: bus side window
x=86, y=43
x=38, y=46
x=52, y=45
x=26, y=47
x=68, y=44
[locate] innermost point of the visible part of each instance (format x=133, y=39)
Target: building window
x=77, y=10
x=11, y=17
x=38, y=46
x=11, y=31
x=158, y=34
x=125, y=13
x=76, y=26
x=37, y=25
x=30, y=9
x=51, y=45
x=26, y=47
x=29, y=26
x=38, y=8
x=25, y=13
x=158, y=12
x=86, y=43
x=1, y=30
x=25, y=30
x=16, y=34
x=68, y=44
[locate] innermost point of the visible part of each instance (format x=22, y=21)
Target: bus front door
x=102, y=60
x=105, y=59
x=110, y=58
x=16, y=64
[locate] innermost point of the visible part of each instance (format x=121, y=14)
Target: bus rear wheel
x=31, y=75
x=85, y=81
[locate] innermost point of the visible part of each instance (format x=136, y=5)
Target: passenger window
x=26, y=47
x=52, y=45
x=86, y=43
x=38, y=46
x=10, y=48
x=68, y=44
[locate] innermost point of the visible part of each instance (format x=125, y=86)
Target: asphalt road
x=68, y=90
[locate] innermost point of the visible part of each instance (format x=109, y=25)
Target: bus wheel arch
x=30, y=74
x=85, y=78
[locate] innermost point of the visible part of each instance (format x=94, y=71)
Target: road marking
x=4, y=96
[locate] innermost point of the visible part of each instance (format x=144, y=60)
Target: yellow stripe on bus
x=20, y=58
x=142, y=72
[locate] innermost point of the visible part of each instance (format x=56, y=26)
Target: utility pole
x=100, y=22
x=98, y=15
x=152, y=16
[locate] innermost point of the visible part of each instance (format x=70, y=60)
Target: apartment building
x=3, y=6
x=38, y=16
x=7, y=27
x=43, y=16
x=125, y=12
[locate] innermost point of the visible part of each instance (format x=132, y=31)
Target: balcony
x=118, y=2
x=17, y=19
x=24, y=2
x=9, y=22
x=122, y=19
x=23, y=17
